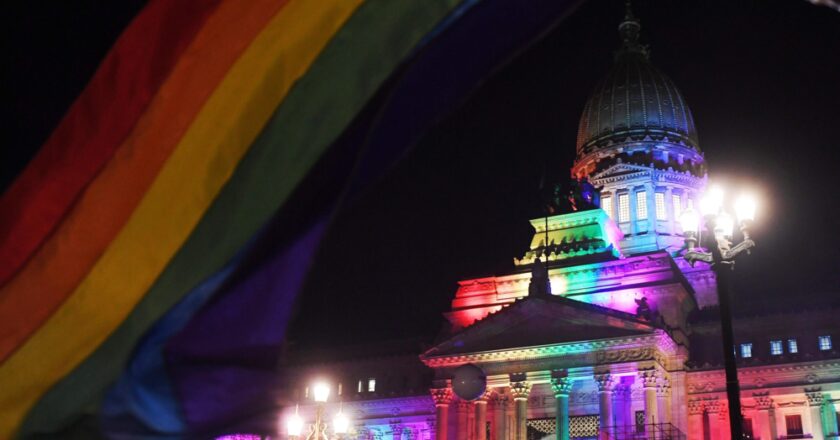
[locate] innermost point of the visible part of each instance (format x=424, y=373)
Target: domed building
x=601, y=330
x=637, y=142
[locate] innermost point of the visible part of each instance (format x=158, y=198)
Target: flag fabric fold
x=169, y=319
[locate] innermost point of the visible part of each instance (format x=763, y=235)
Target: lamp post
x=719, y=224
x=318, y=428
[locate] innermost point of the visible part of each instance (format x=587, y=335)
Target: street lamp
x=318, y=429
x=719, y=224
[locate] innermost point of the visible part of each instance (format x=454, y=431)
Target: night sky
x=761, y=77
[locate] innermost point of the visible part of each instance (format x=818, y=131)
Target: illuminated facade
x=627, y=342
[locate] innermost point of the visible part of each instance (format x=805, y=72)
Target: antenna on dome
x=629, y=29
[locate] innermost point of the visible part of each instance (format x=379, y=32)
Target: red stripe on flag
x=95, y=125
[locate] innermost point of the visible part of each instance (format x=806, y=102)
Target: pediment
x=620, y=169
x=540, y=321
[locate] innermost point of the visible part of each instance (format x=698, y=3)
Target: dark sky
x=761, y=77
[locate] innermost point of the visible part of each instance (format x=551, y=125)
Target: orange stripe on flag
x=60, y=265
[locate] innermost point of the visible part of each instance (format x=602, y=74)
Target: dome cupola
x=635, y=103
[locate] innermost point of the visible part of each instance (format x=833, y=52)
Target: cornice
x=766, y=376
x=417, y=402
x=660, y=343
x=604, y=178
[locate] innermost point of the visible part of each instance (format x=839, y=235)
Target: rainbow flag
x=151, y=252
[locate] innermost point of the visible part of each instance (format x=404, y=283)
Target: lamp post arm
x=731, y=254
x=693, y=256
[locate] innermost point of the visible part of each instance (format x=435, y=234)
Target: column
x=500, y=417
x=663, y=395
x=695, y=419
x=480, y=406
x=605, y=383
x=510, y=416
x=396, y=429
x=765, y=426
x=634, y=229
x=678, y=399
x=713, y=410
x=723, y=424
x=648, y=379
x=442, y=398
x=651, y=205
x=830, y=417
x=561, y=384
x=669, y=210
x=614, y=201
x=520, y=389
x=461, y=408
x=815, y=404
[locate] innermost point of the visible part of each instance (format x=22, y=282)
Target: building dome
x=634, y=102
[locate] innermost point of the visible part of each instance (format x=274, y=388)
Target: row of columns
x=708, y=418
x=656, y=396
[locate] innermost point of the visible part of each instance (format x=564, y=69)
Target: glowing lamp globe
x=294, y=425
x=712, y=201
x=341, y=424
x=724, y=225
x=320, y=392
x=469, y=382
x=745, y=208
x=689, y=220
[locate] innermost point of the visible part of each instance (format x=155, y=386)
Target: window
x=746, y=350
x=306, y=393
x=793, y=423
x=677, y=201
x=660, y=207
x=640, y=421
x=606, y=205
x=824, y=343
x=623, y=208
x=689, y=203
x=371, y=385
x=776, y=348
x=748, y=428
x=340, y=388
x=793, y=347
x=359, y=386
x=641, y=205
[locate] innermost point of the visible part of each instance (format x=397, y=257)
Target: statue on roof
x=643, y=309
x=583, y=195
x=540, y=284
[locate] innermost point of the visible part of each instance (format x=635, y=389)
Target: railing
x=656, y=431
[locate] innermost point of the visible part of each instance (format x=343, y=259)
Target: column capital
x=714, y=406
x=815, y=396
x=664, y=387
x=486, y=396
x=462, y=405
x=723, y=413
x=520, y=390
x=763, y=400
x=561, y=386
x=605, y=381
x=696, y=406
x=499, y=399
x=441, y=396
x=648, y=377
